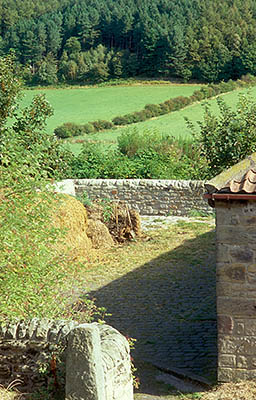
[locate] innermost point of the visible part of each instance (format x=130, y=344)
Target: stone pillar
x=84, y=369
x=98, y=365
x=236, y=289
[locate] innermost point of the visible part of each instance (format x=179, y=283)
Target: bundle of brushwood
x=122, y=223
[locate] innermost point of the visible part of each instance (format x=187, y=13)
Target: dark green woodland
x=77, y=41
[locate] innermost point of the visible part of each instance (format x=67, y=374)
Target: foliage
x=139, y=155
x=228, y=138
x=67, y=130
x=33, y=273
x=152, y=110
x=117, y=39
x=100, y=125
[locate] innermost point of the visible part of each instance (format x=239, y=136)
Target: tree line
x=76, y=41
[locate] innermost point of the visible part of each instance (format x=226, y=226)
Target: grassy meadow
x=173, y=123
x=81, y=105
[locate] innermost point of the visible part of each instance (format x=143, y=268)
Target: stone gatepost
x=233, y=194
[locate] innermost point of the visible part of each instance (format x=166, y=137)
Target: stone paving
x=171, y=313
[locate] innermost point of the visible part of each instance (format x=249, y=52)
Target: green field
x=81, y=105
x=173, y=123
x=89, y=104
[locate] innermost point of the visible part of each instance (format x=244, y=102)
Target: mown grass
x=81, y=105
x=173, y=123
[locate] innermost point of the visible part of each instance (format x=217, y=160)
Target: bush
x=170, y=105
x=87, y=128
x=249, y=79
x=32, y=273
x=198, y=95
x=164, y=108
x=154, y=109
x=132, y=141
x=68, y=129
x=120, y=120
x=228, y=138
x=101, y=124
x=207, y=92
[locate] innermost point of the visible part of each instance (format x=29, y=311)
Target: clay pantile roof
x=246, y=184
x=241, y=178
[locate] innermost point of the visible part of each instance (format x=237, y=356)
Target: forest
x=79, y=41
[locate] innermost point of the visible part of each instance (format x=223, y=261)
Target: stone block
x=84, y=371
x=231, y=374
x=236, y=307
x=242, y=362
x=223, y=253
x=251, y=291
x=250, y=328
x=232, y=289
x=231, y=272
x=227, y=360
x=225, y=324
x=227, y=344
x=241, y=254
x=249, y=208
x=239, y=328
x=247, y=346
x=251, y=274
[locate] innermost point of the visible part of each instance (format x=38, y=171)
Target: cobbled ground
x=171, y=313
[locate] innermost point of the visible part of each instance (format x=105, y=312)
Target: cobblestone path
x=170, y=311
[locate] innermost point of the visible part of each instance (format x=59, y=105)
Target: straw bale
x=136, y=222
x=99, y=234
x=70, y=215
x=122, y=223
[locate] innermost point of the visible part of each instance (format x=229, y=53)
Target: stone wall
x=148, y=196
x=236, y=289
x=94, y=363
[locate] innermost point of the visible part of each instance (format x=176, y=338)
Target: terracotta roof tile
x=246, y=184
x=241, y=178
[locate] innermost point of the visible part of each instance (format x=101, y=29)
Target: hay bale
x=70, y=215
x=99, y=234
x=136, y=222
x=123, y=224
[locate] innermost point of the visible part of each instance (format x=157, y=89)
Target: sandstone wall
x=148, y=196
x=94, y=362
x=236, y=289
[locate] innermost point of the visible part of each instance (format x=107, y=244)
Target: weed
x=84, y=198
x=107, y=209
x=200, y=214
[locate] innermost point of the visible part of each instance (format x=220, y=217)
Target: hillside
x=80, y=40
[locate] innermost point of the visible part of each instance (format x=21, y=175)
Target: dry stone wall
x=26, y=349
x=147, y=196
x=236, y=289
x=94, y=363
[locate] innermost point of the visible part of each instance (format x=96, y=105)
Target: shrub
x=131, y=142
x=154, y=109
x=68, y=129
x=142, y=115
x=120, y=120
x=198, y=95
x=226, y=139
x=216, y=88
x=87, y=128
x=32, y=272
x=207, y=92
x=170, y=104
x=248, y=78
x=101, y=124
x=164, y=108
